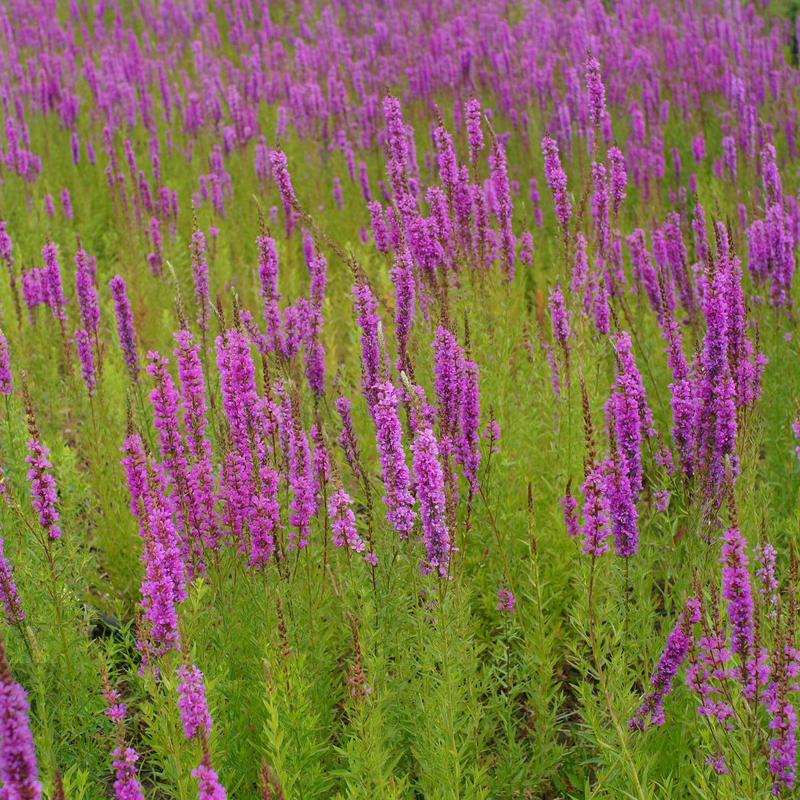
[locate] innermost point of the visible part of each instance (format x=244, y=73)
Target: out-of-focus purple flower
x=627, y=411
x=397, y=164
x=662, y=500
x=596, y=90
x=66, y=205
x=619, y=178
x=699, y=147
x=506, y=602
x=557, y=181
x=200, y=277
x=717, y=763
x=270, y=297
x=472, y=116
x=301, y=478
x=770, y=174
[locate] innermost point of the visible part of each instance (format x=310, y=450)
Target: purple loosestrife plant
x=6, y=379
x=208, y=784
x=394, y=472
x=368, y=320
x=627, y=412
x=200, y=474
x=347, y=438
x=569, y=508
x=192, y=704
x=596, y=526
x=622, y=507
x=560, y=320
x=86, y=291
x=125, y=328
x=595, y=89
x=302, y=480
x=53, y=287
x=651, y=711
x=472, y=114
x=84, y=347
x=619, y=178
x=499, y=171
x=506, y=602
x=467, y=442
x=403, y=278
x=199, y=267
x=126, y=781
x=429, y=478
x=343, y=522
x=447, y=382
x=557, y=181
x=42, y=484
x=270, y=298
x=19, y=772
x=737, y=592
x=280, y=173
x=9, y=595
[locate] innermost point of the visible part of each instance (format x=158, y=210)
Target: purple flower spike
x=125, y=328
x=192, y=703
x=19, y=772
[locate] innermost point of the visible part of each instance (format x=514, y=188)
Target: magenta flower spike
x=9, y=595
x=651, y=711
x=200, y=278
x=19, y=771
x=429, y=479
x=86, y=292
x=208, y=783
x=394, y=472
x=125, y=328
x=192, y=703
x=84, y=346
x=6, y=379
x=556, y=179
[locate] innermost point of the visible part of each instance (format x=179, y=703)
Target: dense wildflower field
x=399, y=400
